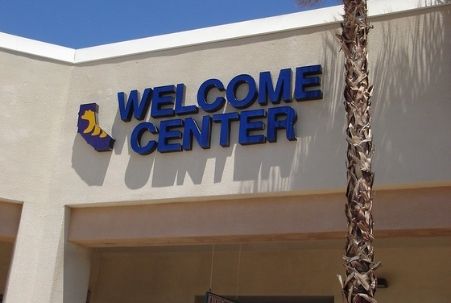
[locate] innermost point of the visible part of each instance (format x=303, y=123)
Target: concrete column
x=44, y=267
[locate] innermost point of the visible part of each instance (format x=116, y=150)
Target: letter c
x=203, y=92
x=138, y=132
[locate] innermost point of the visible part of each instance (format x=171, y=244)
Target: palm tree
x=359, y=285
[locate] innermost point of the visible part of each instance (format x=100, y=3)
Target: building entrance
x=282, y=272
x=275, y=299
x=265, y=272
x=6, y=250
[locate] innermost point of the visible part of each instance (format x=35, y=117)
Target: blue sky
x=83, y=23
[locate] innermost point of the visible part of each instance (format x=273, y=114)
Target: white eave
x=231, y=31
x=37, y=48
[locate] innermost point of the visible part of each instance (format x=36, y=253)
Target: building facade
x=227, y=170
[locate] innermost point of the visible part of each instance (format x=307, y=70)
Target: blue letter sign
x=219, y=110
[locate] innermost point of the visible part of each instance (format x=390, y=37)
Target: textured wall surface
x=410, y=70
x=47, y=166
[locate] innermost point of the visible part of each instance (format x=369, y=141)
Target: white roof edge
x=37, y=48
x=230, y=31
x=211, y=34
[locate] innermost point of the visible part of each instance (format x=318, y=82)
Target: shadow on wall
x=90, y=165
x=408, y=73
x=407, y=69
x=257, y=169
x=316, y=145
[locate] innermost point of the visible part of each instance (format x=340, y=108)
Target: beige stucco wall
x=424, y=212
x=410, y=103
x=416, y=271
x=47, y=166
x=410, y=70
x=33, y=94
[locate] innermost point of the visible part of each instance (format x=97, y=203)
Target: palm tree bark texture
x=359, y=286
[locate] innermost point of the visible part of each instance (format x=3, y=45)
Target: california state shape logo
x=90, y=130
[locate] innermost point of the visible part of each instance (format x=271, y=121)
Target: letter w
x=134, y=106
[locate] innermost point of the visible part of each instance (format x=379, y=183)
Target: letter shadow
x=138, y=169
x=89, y=164
x=173, y=168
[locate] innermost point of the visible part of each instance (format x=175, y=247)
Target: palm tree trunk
x=360, y=283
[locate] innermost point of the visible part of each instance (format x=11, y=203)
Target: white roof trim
x=204, y=35
x=37, y=48
x=211, y=34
